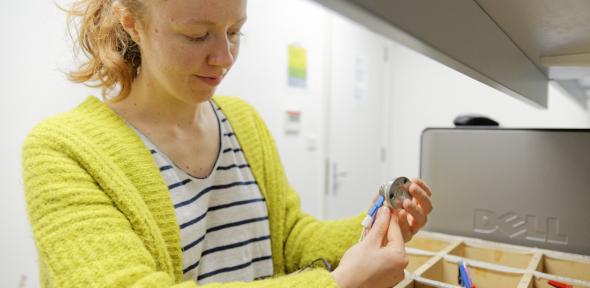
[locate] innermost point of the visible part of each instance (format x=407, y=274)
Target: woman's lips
x=212, y=81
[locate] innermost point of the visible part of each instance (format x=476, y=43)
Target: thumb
x=395, y=238
x=379, y=229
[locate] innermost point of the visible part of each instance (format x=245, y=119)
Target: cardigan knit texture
x=102, y=216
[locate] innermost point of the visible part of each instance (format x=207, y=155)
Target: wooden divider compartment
x=416, y=261
x=434, y=256
x=447, y=272
x=541, y=282
x=565, y=268
x=493, y=255
x=410, y=283
x=428, y=244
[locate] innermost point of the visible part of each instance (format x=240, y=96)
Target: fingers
x=421, y=195
x=380, y=227
x=423, y=185
x=404, y=224
x=395, y=234
x=416, y=218
x=418, y=207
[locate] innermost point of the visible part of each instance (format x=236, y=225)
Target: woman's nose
x=222, y=53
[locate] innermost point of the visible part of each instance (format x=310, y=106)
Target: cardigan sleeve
x=309, y=238
x=305, y=238
x=82, y=239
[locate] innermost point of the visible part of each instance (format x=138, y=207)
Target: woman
x=164, y=185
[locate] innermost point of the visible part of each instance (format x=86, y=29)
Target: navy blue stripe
x=224, y=119
x=192, y=244
x=153, y=151
x=229, y=134
x=231, y=149
x=232, y=166
x=233, y=224
x=235, y=204
x=164, y=168
x=212, y=208
x=184, y=182
x=191, y=222
x=234, y=245
x=263, y=277
x=189, y=268
x=214, y=187
x=226, y=247
x=232, y=268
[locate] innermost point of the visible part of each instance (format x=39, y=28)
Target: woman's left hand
x=415, y=213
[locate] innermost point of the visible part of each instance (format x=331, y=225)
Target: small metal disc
x=396, y=191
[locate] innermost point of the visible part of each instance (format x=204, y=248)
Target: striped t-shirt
x=224, y=230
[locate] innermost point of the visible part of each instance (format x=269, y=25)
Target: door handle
x=336, y=175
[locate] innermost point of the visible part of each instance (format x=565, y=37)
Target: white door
x=357, y=119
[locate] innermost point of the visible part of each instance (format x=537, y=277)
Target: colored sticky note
x=297, y=66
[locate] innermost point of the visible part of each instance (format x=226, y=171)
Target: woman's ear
x=127, y=20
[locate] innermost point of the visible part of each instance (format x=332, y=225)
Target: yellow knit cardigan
x=102, y=216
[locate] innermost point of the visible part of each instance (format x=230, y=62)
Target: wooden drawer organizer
x=434, y=258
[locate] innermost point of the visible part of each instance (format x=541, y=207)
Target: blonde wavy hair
x=113, y=58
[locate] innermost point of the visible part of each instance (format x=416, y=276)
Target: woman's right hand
x=377, y=261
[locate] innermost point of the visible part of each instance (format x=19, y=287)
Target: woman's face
x=188, y=45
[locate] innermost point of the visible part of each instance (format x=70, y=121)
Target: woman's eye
x=235, y=36
x=199, y=38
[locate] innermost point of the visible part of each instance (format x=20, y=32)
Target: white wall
x=426, y=94
x=260, y=77
x=34, y=52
